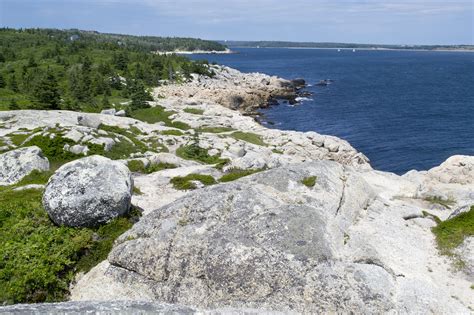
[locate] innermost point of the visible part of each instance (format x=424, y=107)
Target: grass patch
x=18, y=138
x=451, y=233
x=186, y=183
x=172, y=133
x=124, y=148
x=195, y=111
x=215, y=129
x=38, y=259
x=249, y=137
x=309, y=181
x=237, y=173
x=196, y=153
x=276, y=151
x=158, y=114
x=139, y=167
x=137, y=191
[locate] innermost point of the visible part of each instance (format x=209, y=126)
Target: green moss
x=124, y=148
x=185, y=183
x=18, y=138
x=309, y=181
x=249, y=137
x=38, y=259
x=277, y=151
x=236, y=173
x=137, y=191
x=195, y=111
x=196, y=153
x=139, y=167
x=158, y=114
x=53, y=148
x=172, y=133
x=215, y=129
x=447, y=203
x=451, y=233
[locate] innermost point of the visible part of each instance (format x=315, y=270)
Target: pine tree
x=13, y=105
x=139, y=95
x=46, y=92
x=2, y=81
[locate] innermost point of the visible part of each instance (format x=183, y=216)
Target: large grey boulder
x=16, y=164
x=268, y=241
x=88, y=192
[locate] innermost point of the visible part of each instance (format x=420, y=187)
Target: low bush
x=38, y=259
x=249, y=137
x=195, y=111
x=237, y=173
x=215, y=129
x=158, y=114
x=186, y=183
x=139, y=167
x=196, y=153
x=451, y=233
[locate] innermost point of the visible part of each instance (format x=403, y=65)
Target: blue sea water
x=403, y=109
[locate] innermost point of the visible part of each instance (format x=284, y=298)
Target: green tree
x=2, y=81
x=13, y=105
x=138, y=94
x=46, y=92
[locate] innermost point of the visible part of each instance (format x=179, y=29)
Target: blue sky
x=361, y=21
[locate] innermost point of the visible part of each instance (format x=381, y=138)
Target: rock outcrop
x=233, y=89
x=268, y=241
x=351, y=239
x=16, y=164
x=88, y=192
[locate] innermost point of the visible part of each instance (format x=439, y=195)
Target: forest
x=89, y=71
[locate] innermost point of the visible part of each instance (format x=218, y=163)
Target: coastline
x=364, y=49
x=196, y=52
x=314, y=206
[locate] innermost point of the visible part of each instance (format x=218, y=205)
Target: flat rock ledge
x=121, y=308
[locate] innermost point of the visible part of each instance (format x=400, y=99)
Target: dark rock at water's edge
x=298, y=83
x=325, y=82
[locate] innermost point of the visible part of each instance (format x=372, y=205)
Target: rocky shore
x=311, y=229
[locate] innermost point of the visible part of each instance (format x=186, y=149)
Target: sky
x=355, y=21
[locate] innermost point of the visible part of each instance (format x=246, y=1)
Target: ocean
x=403, y=109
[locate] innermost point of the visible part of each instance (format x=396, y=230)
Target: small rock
x=110, y=111
x=16, y=164
x=121, y=113
x=89, y=121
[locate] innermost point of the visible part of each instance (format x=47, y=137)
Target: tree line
x=88, y=71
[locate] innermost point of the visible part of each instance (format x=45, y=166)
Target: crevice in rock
x=343, y=194
x=376, y=262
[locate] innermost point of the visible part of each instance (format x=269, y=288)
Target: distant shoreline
x=196, y=52
x=369, y=49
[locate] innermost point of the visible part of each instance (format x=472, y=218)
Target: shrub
x=249, y=137
x=37, y=258
x=171, y=133
x=196, y=153
x=237, y=173
x=185, y=183
x=215, y=129
x=451, y=233
x=139, y=167
x=158, y=114
x=309, y=181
